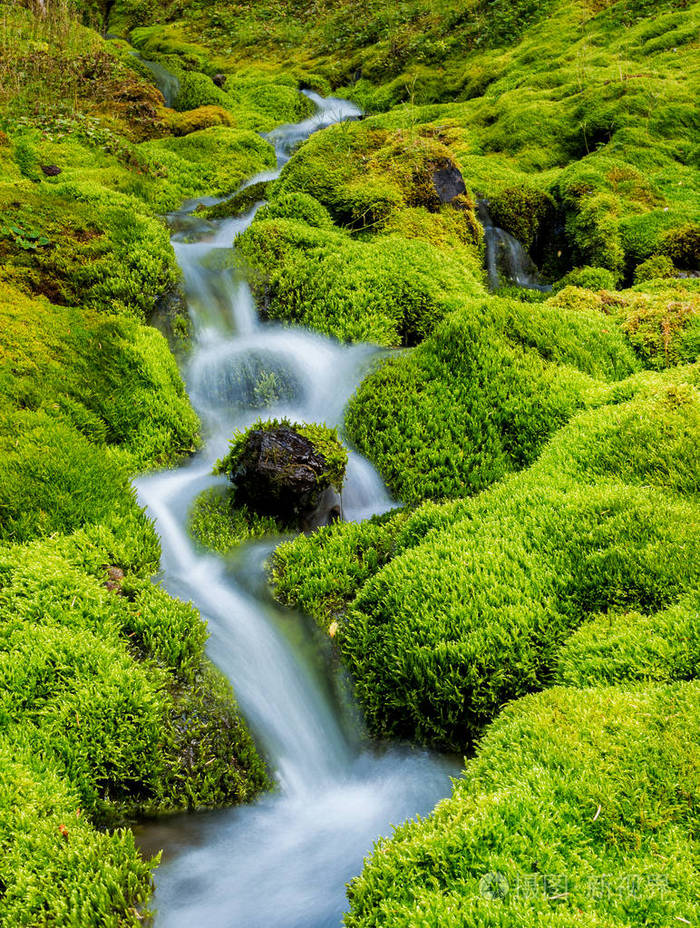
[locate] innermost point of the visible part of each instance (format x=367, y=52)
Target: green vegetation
x=458, y=608
x=110, y=708
x=535, y=602
x=583, y=803
x=219, y=525
x=356, y=242
x=479, y=398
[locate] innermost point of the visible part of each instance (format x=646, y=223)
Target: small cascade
x=282, y=862
x=166, y=82
x=507, y=261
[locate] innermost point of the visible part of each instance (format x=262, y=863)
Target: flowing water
x=281, y=862
x=507, y=261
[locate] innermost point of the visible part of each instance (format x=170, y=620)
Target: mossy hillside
x=450, y=630
x=256, y=95
x=583, y=802
x=105, y=678
x=355, y=241
x=478, y=399
x=391, y=291
x=469, y=604
x=111, y=379
x=109, y=691
x=83, y=175
x=109, y=704
x=562, y=99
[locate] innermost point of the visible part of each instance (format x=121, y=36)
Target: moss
x=321, y=573
x=85, y=245
x=523, y=212
x=653, y=268
x=619, y=648
x=217, y=524
x=198, y=90
x=390, y=290
x=479, y=397
x=682, y=246
x=240, y=203
x=569, y=792
x=446, y=614
x=588, y=278
x=210, y=161
x=301, y=207
x=49, y=841
x=201, y=117
x=663, y=327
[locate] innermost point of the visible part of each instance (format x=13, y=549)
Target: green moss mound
x=447, y=613
x=391, y=292
x=478, y=399
x=219, y=525
x=580, y=806
x=618, y=648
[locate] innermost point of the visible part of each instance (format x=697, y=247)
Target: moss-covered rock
x=286, y=470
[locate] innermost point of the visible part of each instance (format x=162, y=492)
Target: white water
x=282, y=862
x=506, y=257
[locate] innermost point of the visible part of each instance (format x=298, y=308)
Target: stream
x=283, y=861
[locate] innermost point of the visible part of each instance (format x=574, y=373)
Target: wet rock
x=219, y=80
x=329, y=509
x=51, y=170
x=448, y=182
x=280, y=469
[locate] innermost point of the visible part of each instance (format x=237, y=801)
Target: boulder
x=448, y=181
x=289, y=471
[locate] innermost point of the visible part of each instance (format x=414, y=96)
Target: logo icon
x=493, y=886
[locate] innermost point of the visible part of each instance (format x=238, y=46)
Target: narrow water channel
x=282, y=862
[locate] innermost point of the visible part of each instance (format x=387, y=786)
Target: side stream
x=283, y=861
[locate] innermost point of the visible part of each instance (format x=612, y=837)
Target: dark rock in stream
x=278, y=471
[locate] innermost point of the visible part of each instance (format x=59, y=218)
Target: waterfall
x=507, y=261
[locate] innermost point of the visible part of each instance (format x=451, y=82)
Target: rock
x=448, y=181
x=219, y=80
x=291, y=472
x=115, y=577
x=329, y=509
x=51, y=170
